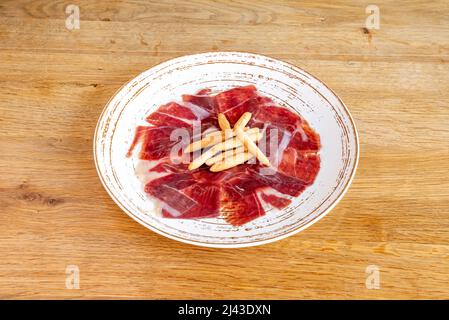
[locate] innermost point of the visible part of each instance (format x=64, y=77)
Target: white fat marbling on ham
x=142, y=170
x=273, y=192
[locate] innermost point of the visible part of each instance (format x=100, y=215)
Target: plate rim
x=237, y=245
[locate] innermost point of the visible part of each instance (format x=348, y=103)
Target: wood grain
x=54, y=83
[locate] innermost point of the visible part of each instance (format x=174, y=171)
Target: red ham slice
x=202, y=99
x=207, y=197
x=156, y=142
x=162, y=119
x=302, y=166
x=278, y=181
x=229, y=99
x=275, y=201
x=176, y=115
x=184, y=194
x=235, y=193
x=238, y=207
x=280, y=117
x=305, y=139
x=178, y=111
x=168, y=189
x=232, y=102
x=249, y=105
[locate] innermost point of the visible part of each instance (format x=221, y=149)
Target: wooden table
x=55, y=213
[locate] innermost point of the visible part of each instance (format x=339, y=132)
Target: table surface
x=55, y=213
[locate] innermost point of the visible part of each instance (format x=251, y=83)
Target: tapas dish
x=226, y=149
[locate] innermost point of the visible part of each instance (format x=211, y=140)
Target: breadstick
x=217, y=133
x=243, y=121
x=221, y=133
x=223, y=155
x=252, y=148
x=236, y=142
x=225, y=145
x=213, y=138
x=208, y=140
x=202, y=158
x=231, y=161
x=223, y=122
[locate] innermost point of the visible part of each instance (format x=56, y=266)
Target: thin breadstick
x=225, y=145
x=205, y=142
x=252, y=147
x=213, y=138
x=243, y=121
x=218, y=133
x=236, y=142
x=202, y=159
x=232, y=161
x=231, y=155
x=223, y=122
x=223, y=155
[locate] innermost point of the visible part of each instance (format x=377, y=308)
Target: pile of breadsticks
x=228, y=147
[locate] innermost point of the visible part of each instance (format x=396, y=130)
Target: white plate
x=286, y=84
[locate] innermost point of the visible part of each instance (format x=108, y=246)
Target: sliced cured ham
x=156, y=142
x=239, y=208
x=184, y=196
x=232, y=98
x=237, y=194
x=275, y=201
x=202, y=99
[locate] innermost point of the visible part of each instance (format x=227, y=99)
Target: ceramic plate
x=286, y=84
